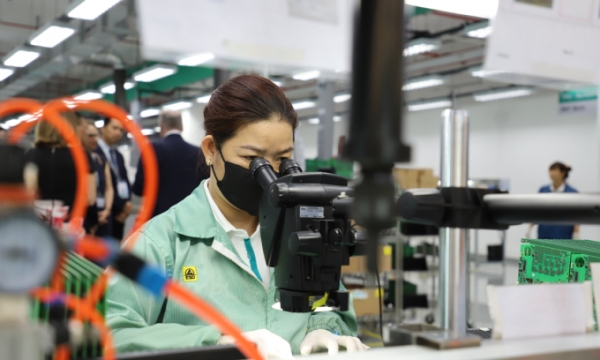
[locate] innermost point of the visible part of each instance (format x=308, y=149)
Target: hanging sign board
x=255, y=34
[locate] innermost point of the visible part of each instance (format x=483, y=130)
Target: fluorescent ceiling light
x=337, y=118
x=480, y=30
x=157, y=129
x=179, y=105
x=149, y=113
x=21, y=58
x=314, y=121
x=428, y=105
x=308, y=75
x=13, y=122
x=196, y=60
x=90, y=9
x=203, y=99
x=480, y=33
x=419, y=46
x=25, y=117
x=88, y=95
x=423, y=82
x=4, y=73
x=154, y=72
x=303, y=105
x=485, y=9
x=478, y=71
x=129, y=136
x=99, y=123
x=147, y=132
x=110, y=88
x=502, y=94
x=341, y=98
x=51, y=36
x=278, y=83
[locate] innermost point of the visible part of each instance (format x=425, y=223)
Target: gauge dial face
x=28, y=253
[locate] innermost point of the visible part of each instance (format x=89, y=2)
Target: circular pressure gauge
x=28, y=252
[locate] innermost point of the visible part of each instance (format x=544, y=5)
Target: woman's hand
x=271, y=346
x=318, y=340
x=103, y=216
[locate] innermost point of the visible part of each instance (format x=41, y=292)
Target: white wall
x=193, y=124
x=516, y=139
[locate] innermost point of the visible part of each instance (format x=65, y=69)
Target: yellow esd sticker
x=189, y=273
x=379, y=293
x=387, y=250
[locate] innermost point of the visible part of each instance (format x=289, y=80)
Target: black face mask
x=239, y=188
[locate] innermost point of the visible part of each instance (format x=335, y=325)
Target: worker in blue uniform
x=559, y=172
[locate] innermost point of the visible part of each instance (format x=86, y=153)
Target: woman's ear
x=209, y=149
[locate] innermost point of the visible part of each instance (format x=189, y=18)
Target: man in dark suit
x=177, y=164
x=110, y=135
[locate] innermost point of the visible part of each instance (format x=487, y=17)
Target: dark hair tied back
x=563, y=168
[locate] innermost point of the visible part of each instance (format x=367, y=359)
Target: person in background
x=177, y=164
x=559, y=173
x=104, y=191
x=56, y=169
x=110, y=135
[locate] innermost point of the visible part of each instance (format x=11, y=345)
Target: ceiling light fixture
x=89, y=9
x=479, y=30
x=203, y=99
x=419, y=46
x=110, y=88
x=21, y=57
x=88, y=95
x=337, y=118
x=99, y=123
x=342, y=98
x=485, y=9
x=480, y=72
x=303, y=105
x=423, y=82
x=154, y=72
x=314, y=121
x=157, y=129
x=51, y=35
x=196, y=60
x=147, y=132
x=149, y=112
x=13, y=122
x=506, y=93
x=307, y=75
x=178, y=105
x=428, y=105
x=4, y=73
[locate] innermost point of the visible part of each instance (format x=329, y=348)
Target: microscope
x=307, y=234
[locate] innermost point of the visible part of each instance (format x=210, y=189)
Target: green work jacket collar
x=194, y=219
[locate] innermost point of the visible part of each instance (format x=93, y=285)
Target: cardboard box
x=415, y=178
x=366, y=301
x=358, y=264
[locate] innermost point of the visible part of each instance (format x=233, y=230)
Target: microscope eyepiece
x=289, y=166
x=262, y=172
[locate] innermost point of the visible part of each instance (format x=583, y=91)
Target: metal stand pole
x=453, y=242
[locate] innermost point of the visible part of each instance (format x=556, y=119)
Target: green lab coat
x=187, y=236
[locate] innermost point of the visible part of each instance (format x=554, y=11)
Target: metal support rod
x=399, y=296
x=326, y=106
x=453, y=242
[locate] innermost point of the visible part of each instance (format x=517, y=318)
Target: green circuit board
x=557, y=261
